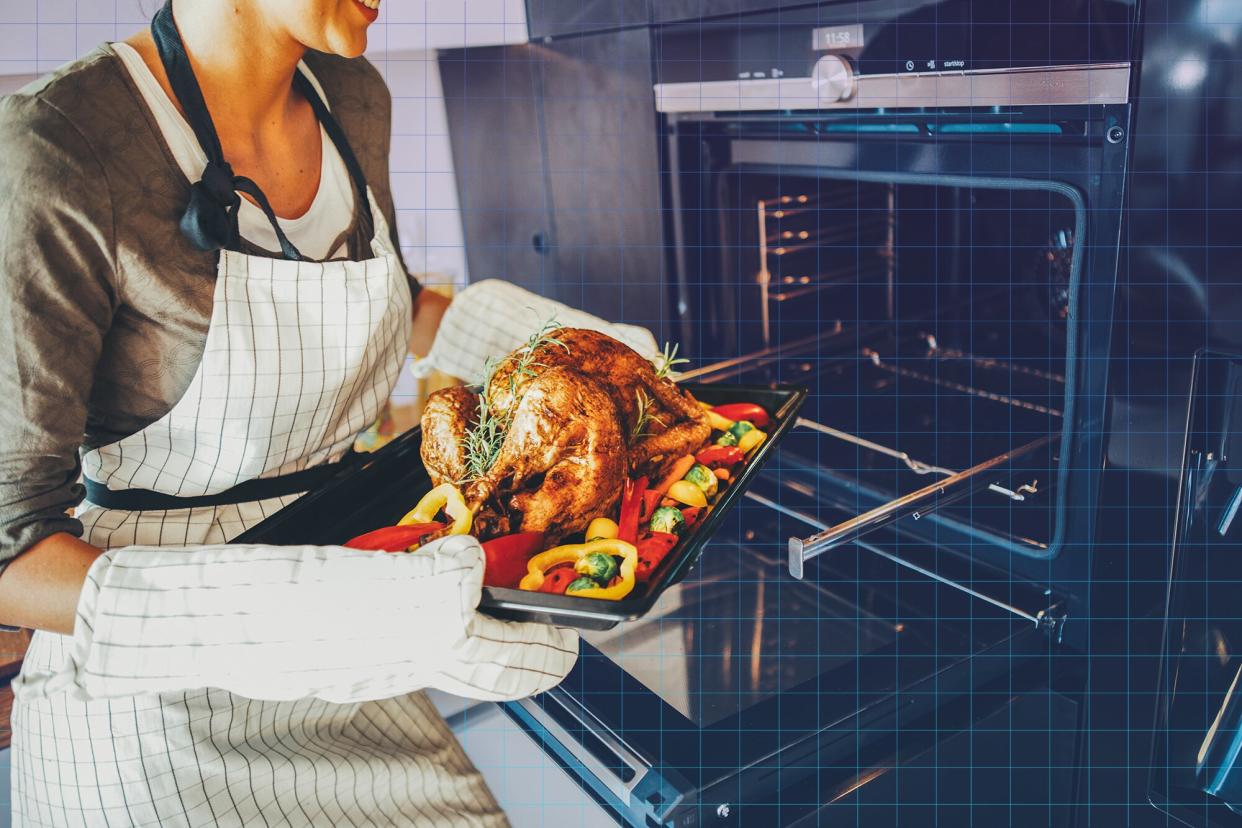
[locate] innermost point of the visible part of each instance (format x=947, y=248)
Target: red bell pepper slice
x=651, y=499
x=692, y=515
x=558, y=578
x=506, y=557
x=653, y=547
x=631, y=506
x=719, y=457
x=394, y=538
x=744, y=411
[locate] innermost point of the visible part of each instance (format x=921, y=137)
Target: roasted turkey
x=578, y=412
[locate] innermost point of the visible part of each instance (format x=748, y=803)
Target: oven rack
x=1051, y=618
x=784, y=288
x=951, y=487
x=779, y=243
x=923, y=360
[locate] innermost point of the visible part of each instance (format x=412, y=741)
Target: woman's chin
x=346, y=44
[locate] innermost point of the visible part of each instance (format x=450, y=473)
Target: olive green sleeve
x=58, y=294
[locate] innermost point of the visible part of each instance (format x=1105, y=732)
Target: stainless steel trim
x=621, y=789
x=916, y=504
x=1097, y=83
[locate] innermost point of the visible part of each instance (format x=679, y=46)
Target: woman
x=202, y=358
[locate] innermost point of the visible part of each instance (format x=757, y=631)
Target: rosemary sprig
x=645, y=417
x=524, y=358
x=484, y=440
x=666, y=363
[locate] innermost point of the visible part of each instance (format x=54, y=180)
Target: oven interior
x=932, y=323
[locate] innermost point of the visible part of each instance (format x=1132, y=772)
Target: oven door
x=750, y=697
x=1197, y=750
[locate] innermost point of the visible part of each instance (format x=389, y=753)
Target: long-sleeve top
x=104, y=305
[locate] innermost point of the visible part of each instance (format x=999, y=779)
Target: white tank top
x=313, y=232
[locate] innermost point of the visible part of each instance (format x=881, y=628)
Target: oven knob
x=833, y=78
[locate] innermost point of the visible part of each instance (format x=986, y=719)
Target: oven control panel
x=925, y=53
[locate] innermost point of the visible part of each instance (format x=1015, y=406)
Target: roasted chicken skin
x=581, y=411
x=675, y=423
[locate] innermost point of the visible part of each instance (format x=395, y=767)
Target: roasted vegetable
x=653, y=548
x=676, y=472
x=741, y=427
x=602, y=528
x=598, y=566
x=683, y=491
x=718, y=422
x=715, y=457
x=702, y=477
x=395, y=538
x=447, y=497
x=506, y=558
x=692, y=515
x=631, y=507
x=744, y=411
x=667, y=519
x=558, y=578
x=580, y=584
x=538, y=567
x=751, y=439
x=726, y=439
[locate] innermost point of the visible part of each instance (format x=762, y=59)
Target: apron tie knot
x=210, y=219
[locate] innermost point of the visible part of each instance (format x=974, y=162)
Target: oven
x=914, y=210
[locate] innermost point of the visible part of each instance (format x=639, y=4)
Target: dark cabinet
x=603, y=173
x=558, y=168
x=549, y=18
x=492, y=102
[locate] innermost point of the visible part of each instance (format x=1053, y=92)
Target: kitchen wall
x=36, y=36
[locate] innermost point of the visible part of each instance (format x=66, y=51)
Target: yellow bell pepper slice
x=683, y=491
x=751, y=439
x=718, y=423
x=446, y=496
x=602, y=528
x=537, y=566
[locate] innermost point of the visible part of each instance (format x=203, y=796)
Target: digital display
x=837, y=38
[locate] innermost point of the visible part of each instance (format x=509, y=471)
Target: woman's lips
x=369, y=8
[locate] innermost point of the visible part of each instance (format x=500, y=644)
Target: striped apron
x=299, y=357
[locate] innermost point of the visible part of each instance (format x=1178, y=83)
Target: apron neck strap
x=210, y=219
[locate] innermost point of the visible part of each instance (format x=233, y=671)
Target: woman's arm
x=41, y=587
x=58, y=293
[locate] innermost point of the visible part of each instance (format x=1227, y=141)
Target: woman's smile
x=370, y=9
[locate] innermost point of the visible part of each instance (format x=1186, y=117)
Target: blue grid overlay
x=998, y=662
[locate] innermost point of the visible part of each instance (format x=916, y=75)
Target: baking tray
x=379, y=490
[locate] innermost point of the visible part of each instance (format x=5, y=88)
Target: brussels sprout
x=702, y=477
x=667, y=519
x=726, y=439
x=579, y=584
x=598, y=566
x=741, y=427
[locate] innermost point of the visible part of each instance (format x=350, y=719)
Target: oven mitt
x=288, y=622
x=491, y=318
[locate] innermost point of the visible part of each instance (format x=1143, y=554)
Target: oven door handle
x=918, y=503
x=598, y=766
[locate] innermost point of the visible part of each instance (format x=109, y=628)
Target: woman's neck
x=244, y=64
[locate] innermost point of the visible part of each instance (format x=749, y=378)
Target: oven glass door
x=744, y=678
x=1197, y=754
